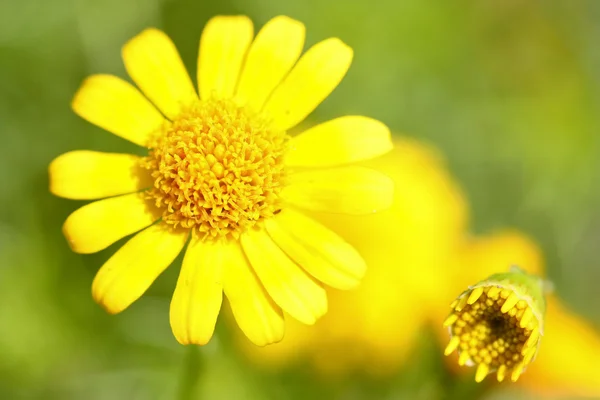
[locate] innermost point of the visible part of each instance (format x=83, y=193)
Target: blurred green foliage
x=508, y=90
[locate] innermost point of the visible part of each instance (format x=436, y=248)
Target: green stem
x=461, y=388
x=190, y=373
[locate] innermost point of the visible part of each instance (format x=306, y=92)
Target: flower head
x=217, y=169
x=224, y=175
x=497, y=324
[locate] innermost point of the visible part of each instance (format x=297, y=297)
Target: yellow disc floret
x=494, y=328
x=217, y=168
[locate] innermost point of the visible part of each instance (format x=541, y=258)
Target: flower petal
x=88, y=175
x=258, y=316
x=339, y=141
x=97, y=225
x=346, y=190
x=223, y=45
x=152, y=61
x=199, y=293
x=271, y=56
x=133, y=268
x=567, y=363
x=321, y=252
x=117, y=106
x=313, y=78
x=291, y=288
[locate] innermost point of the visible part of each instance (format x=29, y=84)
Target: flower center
x=217, y=168
x=493, y=328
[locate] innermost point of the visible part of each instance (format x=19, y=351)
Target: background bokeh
x=509, y=91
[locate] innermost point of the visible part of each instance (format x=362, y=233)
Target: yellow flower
x=567, y=361
x=497, y=324
x=420, y=256
x=222, y=172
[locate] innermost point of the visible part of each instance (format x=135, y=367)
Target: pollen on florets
x=217, y=168
x=498, y=324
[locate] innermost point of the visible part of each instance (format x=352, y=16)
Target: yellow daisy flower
x=223, y=172
x=420, y=257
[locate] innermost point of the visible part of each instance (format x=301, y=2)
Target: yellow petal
x=347, y=190
x=133, y=268
x=223, y=45
x=340, y=141
x=96, y=226
x=271, y=56
x=117, y=106
x=313, y=78
x=291, y=288
x=152, y=61
x=321, y=252
x=482, y=371
x=567, y=363
x=452, y=345
x=257, y=315
x=197, y=299
x=88, y=175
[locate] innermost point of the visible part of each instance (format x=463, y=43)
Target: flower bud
x=497, y=324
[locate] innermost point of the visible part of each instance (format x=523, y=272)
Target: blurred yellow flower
x=420, y=256
x=223, y=173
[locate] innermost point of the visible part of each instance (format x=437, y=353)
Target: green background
x=509, y=90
